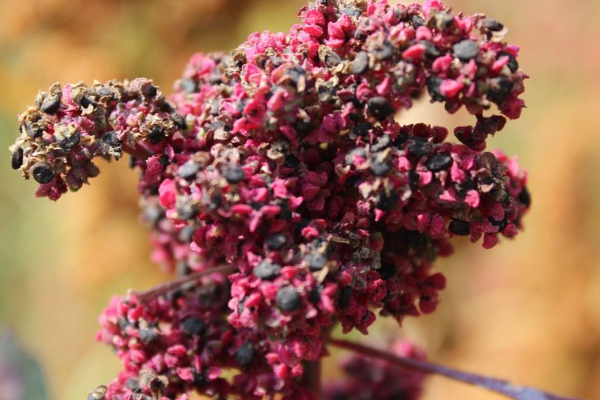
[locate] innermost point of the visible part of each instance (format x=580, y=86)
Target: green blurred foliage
x=529, y=310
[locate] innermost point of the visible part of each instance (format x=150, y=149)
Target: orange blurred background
x=528, y=310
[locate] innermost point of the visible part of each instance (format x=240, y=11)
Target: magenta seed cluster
x=284, y=161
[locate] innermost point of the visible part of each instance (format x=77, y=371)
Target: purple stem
x=496, y=385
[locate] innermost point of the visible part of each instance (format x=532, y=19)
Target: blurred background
x=528, y=310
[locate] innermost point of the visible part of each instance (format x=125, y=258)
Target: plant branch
x=164, y=288
x=493, y=384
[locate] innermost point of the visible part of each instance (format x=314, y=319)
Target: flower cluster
x=283, y=159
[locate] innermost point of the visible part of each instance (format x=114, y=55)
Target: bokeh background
x=528, y=310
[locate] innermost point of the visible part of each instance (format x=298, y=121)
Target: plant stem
x=496, y=385
x=150, y=294
x=312, y=377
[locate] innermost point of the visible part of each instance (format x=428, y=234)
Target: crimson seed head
x=281, y=164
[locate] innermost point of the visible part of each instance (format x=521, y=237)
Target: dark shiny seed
x=42, y=173
x=165, y=106
x=500, y=224
x=417, y=21
x=524, y=197
x=69, y=143
x=50, y=104
x=156, y=134
x=466, y=50
x=380, y=168
x=189, y=86
x=150, y=90
x=491, y=25
x=316, y=261
x=439, y=162
x=148, y=335
x=303, y=128
x=499, y=90
x=413, y=180
x=244, y=354
x=189, y=170
x=433, y=87
x=445, y=20
x=86, y=102
x=193, y=326
x=431, y=50
x=267, y=270
x=332, y=59
x=98, y=394
x=186, y=210
x=164, y=160
x=345, y=297
x=17, y=158
x=460, y=228
x=33, y=131
x=234, y=174
x=288, y=299
x=380, y=107
x=360, y=63
x=179, y=121
x=275, y=242
x=513, y=64
x=420, y=147
x=105, y=92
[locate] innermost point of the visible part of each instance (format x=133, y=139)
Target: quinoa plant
x=278, y=185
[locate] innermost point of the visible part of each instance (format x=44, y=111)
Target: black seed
x=345, y=297
x=433, y=87
x=284, y=212
x=362, y=129
x=193, y=326
x=105, y=92
x=244, y=354
x=360, y=63
x=524, y=197
x=69, y=143
x=316, y=261
x=288, y=299
x=189, y=170
x=234, y=174
x=275, y=242
x=417, y=21
x=382, y=143
x=132, y=384
x=384, y=52
x=295, y=73
x=460, y=228
x=386, y=271
x=50, y=104
x=500, y=224
x=156, y=134
x=164, y=160
x=380, y=107
x=332, y=59
x=491, y=25
x=179, y=120
x=380, y=168
x=431, y=50
x=315, y=294
x=189, y=86
x=444, y=20
x=150, y=90
x=86, y=102
x=513, y=64
x=420, y=146
x=42, y=173
x=17, y=158
x=266, y=270
x=386, y=202
x=500, y=89
x=165, y=106
x=186, y=209
x=148, y=335
x=110, y=141
x=291, y=161
x=439, y=162
x=466, y=50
